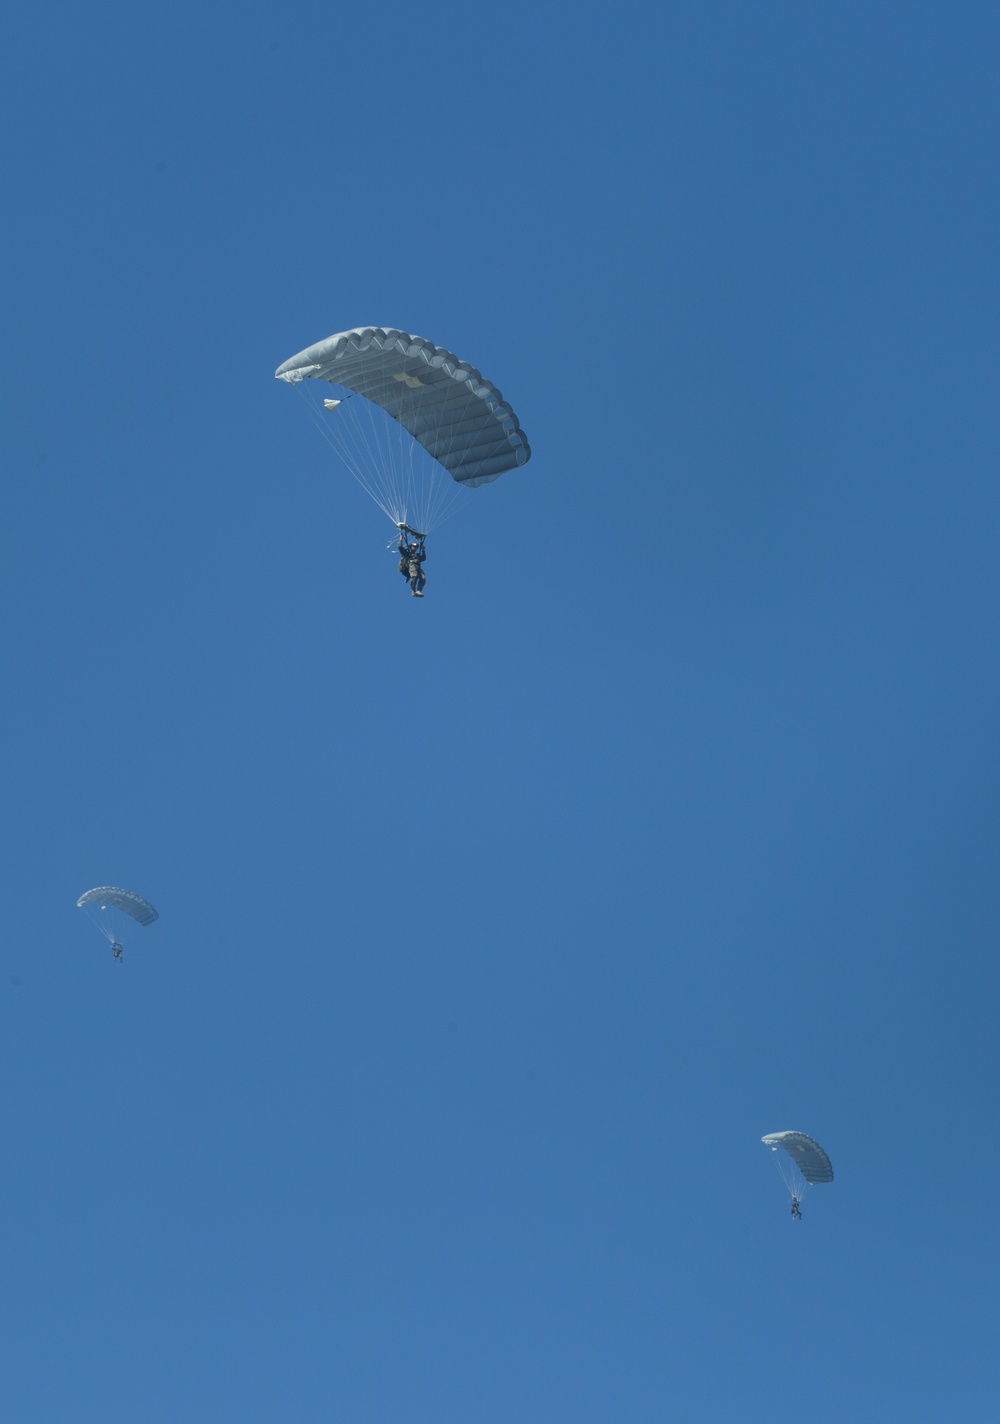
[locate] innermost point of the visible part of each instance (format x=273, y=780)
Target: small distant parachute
x=413, y=423
x=115, y=912
x=800, y=1161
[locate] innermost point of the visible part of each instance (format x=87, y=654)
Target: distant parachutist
x=116, y=912
x=801, y=1162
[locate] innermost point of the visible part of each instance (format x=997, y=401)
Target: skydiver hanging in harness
x=796, y=1213
x=411, y=557
x=116, y=949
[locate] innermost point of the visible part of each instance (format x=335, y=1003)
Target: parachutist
x=411, y=557
x=809, y=1166
x=107, y=904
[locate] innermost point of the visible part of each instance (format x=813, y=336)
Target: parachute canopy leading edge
x=457, y=418
x=807, y=1155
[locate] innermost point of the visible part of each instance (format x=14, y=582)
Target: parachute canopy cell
x=111, y=898
x=458, y=417
x=807, y=1155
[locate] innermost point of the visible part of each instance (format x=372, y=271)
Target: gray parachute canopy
x=446, y=405
x=108, y=897
x=807, y=1155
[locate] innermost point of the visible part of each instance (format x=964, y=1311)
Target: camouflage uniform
x=413, y=558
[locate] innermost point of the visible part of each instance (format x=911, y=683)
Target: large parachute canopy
x=116, y=912
x=412, y=422
x=800, y=1160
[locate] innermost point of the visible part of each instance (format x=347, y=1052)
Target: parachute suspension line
x=419, y=478
x=399, y=447
x=363, y=440
x=368, y=456
x=371, y=458
x=95, y=916
x=363, y=455
x=344, y=451
x=426, y=488
x=446, y=493
x=795, y=1184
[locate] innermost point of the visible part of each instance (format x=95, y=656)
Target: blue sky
x=495, y=930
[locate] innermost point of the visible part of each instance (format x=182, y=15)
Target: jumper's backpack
x=404, y=566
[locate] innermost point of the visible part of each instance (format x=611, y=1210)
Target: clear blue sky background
x=495, y=930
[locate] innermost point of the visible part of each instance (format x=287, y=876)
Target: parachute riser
x=405, y=529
